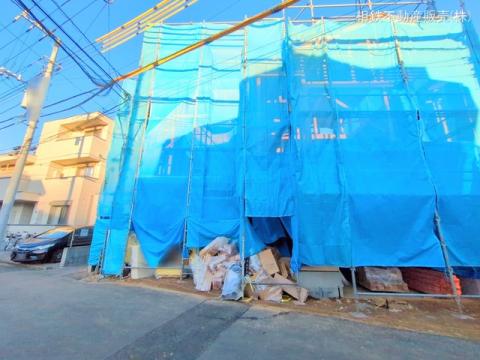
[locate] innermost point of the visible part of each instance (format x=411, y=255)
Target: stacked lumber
x=429, y=281
x=470, y=286
x=387, y=279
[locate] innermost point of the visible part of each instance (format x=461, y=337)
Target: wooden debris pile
x=211, y=264
x=269, y=278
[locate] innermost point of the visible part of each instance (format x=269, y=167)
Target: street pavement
x=50, y=313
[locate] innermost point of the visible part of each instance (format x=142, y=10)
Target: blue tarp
x=348, y=136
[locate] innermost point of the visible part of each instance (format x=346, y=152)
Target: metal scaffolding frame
x=308, y=13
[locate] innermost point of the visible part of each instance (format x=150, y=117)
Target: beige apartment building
x=62, y=180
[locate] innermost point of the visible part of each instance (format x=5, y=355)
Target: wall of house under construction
x=360, y=139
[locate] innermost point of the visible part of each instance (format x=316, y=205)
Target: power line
x=84, y=35
x=91, y=43
x=22, y=5
x=43, y=37
x=11, y=118
x=71, y=39
x=68, y=81
x=10, y=125
x=88, y=99
x=63, y=46
x=55, y=136
x=15, y=19
x=98, y=92
x=26, y=31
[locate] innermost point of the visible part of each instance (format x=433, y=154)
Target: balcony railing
x=78, y=150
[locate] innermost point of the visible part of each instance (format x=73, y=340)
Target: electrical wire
x=29, y=30
x=11, y=118
x=85, y=37
x=22, y=5
x=69, y=82
x=235, y=65
x=43, y=37
x=71, y=39
x=10, y=24
x=59, y=134
x=61, y=101
x=207, y=80
x=212, y=77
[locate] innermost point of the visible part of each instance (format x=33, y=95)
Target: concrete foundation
x=75, y=256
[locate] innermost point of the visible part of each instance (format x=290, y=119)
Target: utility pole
x=36, y=97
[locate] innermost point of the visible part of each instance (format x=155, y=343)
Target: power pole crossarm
x=38, y=95
x=5, y=72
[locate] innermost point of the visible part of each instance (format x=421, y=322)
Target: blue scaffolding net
x=350, y=138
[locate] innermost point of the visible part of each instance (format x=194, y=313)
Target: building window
x=21, y=212
x=55, y=171
x=58, y=215
x=88, y=171
x=78, y=140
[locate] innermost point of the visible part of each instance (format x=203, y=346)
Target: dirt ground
x=433, y=316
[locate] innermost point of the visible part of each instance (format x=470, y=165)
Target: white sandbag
x=212, y=247
x=202, y=278
x=228, y=249
x=215, y=261
x=232, y=285
x=254, y=264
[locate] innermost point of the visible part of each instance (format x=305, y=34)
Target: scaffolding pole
x=312, y=10
x=243, y=218
x=371, y=4
x=443, y=246
x=143, y=130
x=190, y=160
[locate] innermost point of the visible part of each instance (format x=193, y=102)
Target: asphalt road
x=49, y=314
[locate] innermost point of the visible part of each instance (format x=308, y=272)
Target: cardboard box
x=249, y=290
x=272, y=293
x=284, y=265
x=269, y=261
x=294, y=290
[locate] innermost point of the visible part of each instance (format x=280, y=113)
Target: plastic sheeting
x=348, y=136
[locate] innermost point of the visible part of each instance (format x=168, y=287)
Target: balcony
x=28, y=189
x=9, y=160
x=82, y=123
x=78, y=150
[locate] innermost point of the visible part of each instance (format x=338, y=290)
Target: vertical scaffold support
x=354, y=284
x=441, y=239
x=243, y=206
x=138, y=164
x=312, y=10
x=190, y=161
x=446, y=259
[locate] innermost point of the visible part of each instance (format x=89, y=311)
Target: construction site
x=302, y=181
x=312, y=147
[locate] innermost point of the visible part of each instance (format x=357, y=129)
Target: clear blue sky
x=21, y=50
